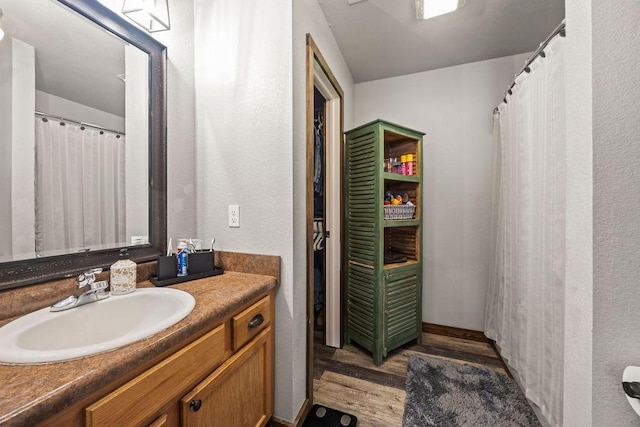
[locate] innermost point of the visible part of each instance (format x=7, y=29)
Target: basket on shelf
x=399, y=211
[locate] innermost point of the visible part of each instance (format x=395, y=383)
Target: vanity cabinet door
x=239, y=393
x=143, y=399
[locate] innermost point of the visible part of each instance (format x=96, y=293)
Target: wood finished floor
x=347, y=379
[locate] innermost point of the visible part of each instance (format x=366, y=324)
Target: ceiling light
x=426, y=9
x=152, y=15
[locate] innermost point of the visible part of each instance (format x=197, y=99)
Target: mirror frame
x=37, y=270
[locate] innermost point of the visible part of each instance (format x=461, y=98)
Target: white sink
x=45, y=336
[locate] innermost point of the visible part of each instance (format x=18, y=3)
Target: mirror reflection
x=73, y=134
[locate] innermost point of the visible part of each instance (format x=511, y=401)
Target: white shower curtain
x=525, y=301
x=80, y=182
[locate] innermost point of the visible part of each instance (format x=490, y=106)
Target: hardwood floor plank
x=464, y=362
x=451, y=331
x=395, y=364
x=459, y=344
x=375, y=376
x=478, y=359
x=322, y=355
x=347, y=379
x=375, y=406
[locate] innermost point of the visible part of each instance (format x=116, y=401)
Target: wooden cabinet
x=383, y=259
x=236, y=394
x=224, y=378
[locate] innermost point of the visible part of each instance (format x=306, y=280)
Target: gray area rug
x=443, y=393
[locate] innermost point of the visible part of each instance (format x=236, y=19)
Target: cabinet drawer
x=139, y=400
x=250, y=322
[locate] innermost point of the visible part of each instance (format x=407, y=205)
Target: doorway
x=324, y=204
x=319, y=213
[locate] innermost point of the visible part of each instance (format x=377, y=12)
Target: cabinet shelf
x=401, y=264
x=387, y=176
x=383, y=301
x=401, y=223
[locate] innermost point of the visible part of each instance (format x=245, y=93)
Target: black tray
x=180, y=279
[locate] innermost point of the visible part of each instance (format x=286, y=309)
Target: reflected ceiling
x=51, y=30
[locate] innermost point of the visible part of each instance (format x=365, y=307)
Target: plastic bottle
x=123, y=275
x=403, y=164
x=182, y=252
x=409, y=164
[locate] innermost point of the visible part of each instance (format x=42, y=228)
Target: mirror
x=90, y=177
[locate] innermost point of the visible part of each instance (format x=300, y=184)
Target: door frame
x=315, y=57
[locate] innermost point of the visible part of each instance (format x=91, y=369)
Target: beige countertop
x=32, y=393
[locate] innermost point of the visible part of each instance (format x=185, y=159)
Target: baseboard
x=302, y=414
x=502, y=362
x=277, y=422
x=451, y=331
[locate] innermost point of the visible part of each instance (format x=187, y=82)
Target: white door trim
x=333, y=147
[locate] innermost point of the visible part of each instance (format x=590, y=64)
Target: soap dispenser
x=123, y=275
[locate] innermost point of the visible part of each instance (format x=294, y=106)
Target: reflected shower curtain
x=525, y=300
x=80, y=182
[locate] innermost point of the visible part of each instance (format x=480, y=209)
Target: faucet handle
x=88, y=277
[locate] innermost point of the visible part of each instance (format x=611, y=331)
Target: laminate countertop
x=32, y=393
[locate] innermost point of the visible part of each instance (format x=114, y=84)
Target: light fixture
x=152, y=15
x=426, y=9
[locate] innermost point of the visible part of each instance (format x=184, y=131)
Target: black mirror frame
x=37, y=270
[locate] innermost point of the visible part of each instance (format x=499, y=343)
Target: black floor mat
x=321, y=416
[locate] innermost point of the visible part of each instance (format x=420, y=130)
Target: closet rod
x=63, y=119
x=560, y=29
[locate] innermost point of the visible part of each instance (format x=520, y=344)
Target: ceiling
x=74, y=58
x=382, y=38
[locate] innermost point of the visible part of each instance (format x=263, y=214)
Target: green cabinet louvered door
x=383, y=286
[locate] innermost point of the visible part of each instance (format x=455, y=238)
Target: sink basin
x=44, y=336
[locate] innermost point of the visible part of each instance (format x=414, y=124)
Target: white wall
x=579, y=231
x=243, y=75
x=454, y=107
x=137, y=143
x=24, y=145
x=181, y=152
x=17, y=140
x=616, y=205
x=62, y=107
x=308, y=18
x=6, y=78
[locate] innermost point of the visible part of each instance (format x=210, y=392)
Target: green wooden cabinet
x=383, y=301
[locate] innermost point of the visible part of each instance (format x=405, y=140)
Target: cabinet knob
x=257, y=320
x=195, y=405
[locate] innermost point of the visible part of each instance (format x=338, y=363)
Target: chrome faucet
x=91, y=291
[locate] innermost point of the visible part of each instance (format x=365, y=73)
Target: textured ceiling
x=383, y=38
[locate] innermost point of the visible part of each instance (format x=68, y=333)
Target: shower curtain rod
x=560, y=29
x=63, y=119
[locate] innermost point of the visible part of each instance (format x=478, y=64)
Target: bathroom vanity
x=215, y=367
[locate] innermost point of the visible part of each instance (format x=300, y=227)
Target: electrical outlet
x=234, y=216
